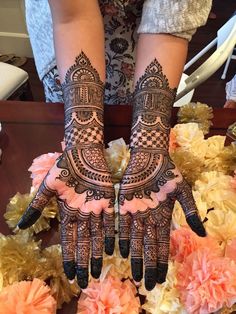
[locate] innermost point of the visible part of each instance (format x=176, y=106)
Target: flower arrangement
x=201, y=277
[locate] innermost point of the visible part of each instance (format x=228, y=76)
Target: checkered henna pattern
x=80, y=178
x=151, y=182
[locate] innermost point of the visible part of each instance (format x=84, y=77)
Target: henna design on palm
x=80, y=178
x=151, y=182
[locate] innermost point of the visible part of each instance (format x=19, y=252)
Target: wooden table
x=30, y=129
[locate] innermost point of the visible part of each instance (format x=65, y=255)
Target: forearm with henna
x=80, y=177
x=151, y=182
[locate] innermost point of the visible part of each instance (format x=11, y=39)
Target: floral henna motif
x=151, y=182
x=86, y=171
x=80, y=178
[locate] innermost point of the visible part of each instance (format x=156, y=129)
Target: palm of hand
x=81, y=180
x=148, y=190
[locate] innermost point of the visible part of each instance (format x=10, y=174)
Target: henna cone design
x=80, y=178
x=151, y=182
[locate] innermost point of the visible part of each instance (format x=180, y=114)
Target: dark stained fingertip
x=124, y=248
x=137, y=268
x=161, y=273
x=30, y=216
x=69, y=269
x=150, y=278
x=82, y=277
x=96, y=267
x=109, y=245
x=196, y=225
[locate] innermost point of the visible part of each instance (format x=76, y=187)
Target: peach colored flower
x=27, y=297
x=40, y=167
x=184, y=242
x=230, y=249
x=109, y=295
x=206, y=283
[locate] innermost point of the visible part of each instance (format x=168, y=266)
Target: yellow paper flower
x=186, y=161
x=17, y=207
x=228, y=159
x=117, y=156
x=53, y=273
x=164, y=298
x=215, y=145
x=188, y=134
x=19, y=257
x=116, y=265
x=196, y=112
x=221, y=225
x=178, y=217
x=215, y=189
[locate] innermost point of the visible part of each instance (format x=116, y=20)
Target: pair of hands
x=82, y=183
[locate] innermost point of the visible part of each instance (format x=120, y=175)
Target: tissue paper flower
x=53, y=274
x=40, y=167
x=228, y=159
x=188, y=135
x=17, y=207
x=206, y=283
x=20, y=257
x=218, y=157
x=230, y=249
x=109, y=295
x=117, y=156
x=164, y=298
x=186, y=161
x=215, y=145
x=27, y=297
x=116, y=265
x=221, y=225
x=216, y=190
x=184, y=242
x=196, y=112
x=178, y=217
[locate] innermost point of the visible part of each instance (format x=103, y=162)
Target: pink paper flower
x=110, y=295
x=27, y=297
x=230, y=249
x=40, y=167
x=184, y=242
x=206, y=283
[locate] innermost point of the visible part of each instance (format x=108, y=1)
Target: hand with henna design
x=80, y=178
x=152, y=183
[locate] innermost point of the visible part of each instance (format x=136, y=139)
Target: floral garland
x=202, y=271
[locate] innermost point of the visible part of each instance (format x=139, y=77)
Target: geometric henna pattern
x=83, y=93
x=153, y=100
x=150, y=169
x=82, y=167
x=81, y=232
